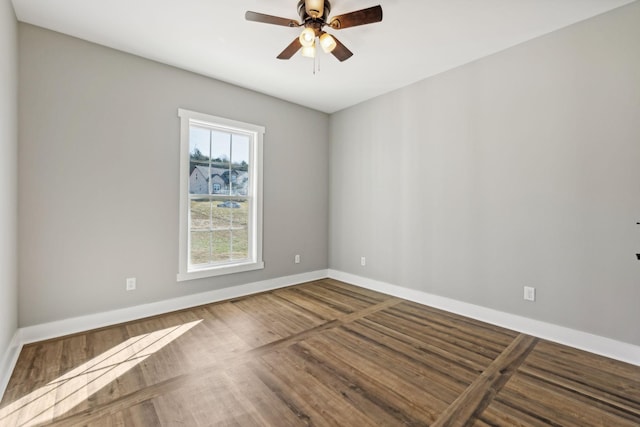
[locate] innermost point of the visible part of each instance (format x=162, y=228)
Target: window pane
x=221, y=246
x=221, y=148
x=222, y=214
x=199, y=142
x=240, y=164
x=199, y=153
x=201, y=247
x=240, y=241
x=240, y=230
x=231, y=215
x=240, y=213
x=240, y=152
x=200, y=214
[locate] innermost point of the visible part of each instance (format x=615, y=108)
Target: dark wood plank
x=502, y=415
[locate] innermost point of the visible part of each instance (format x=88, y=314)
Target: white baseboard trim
x=74, y=325
x=9, y=360
x=603, y=346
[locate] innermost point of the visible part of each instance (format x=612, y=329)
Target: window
x=220, y=196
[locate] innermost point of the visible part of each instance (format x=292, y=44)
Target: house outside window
x=220, y=196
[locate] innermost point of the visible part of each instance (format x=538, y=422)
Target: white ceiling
x=416, y=39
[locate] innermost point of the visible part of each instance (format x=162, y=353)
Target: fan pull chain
x=316, y=56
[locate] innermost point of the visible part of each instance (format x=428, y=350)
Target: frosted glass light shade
x=327, y=42
x=307, y=37
x=309, y=51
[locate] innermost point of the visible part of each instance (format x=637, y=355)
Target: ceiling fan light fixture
x=327, y=42
x=309, y=51
x=314, y=16
x=307, y=37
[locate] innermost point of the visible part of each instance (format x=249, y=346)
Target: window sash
x=230, y=227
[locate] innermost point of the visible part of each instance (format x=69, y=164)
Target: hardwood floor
x=322, y=353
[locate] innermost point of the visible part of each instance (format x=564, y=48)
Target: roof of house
x=209, y=173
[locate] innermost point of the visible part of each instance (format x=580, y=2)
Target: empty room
x=320, y=212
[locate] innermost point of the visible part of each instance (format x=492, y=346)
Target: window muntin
x=221, y=208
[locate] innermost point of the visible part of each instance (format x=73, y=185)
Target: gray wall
x=98, y=177
x=8, y=175
x=522, y=168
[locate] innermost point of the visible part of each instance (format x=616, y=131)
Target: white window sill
x=220, y=271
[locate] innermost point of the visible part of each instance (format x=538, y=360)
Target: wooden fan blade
x=359, y=17
x=270, y=19
x=290, y=50
x=340, y=51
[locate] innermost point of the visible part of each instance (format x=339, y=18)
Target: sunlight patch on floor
x=69, y=390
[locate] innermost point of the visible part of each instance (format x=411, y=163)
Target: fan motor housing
x=305, y=17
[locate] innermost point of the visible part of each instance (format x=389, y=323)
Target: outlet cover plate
x=529, y=293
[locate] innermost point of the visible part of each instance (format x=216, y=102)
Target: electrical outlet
x=529, y=293
x=363, y=261
x=296, y=259
x=131, y=283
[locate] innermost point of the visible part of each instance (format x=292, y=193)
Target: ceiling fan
x=314, y=15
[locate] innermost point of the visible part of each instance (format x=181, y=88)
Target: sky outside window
x=220, y=147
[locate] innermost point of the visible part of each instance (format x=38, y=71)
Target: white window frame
x=186, y=271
